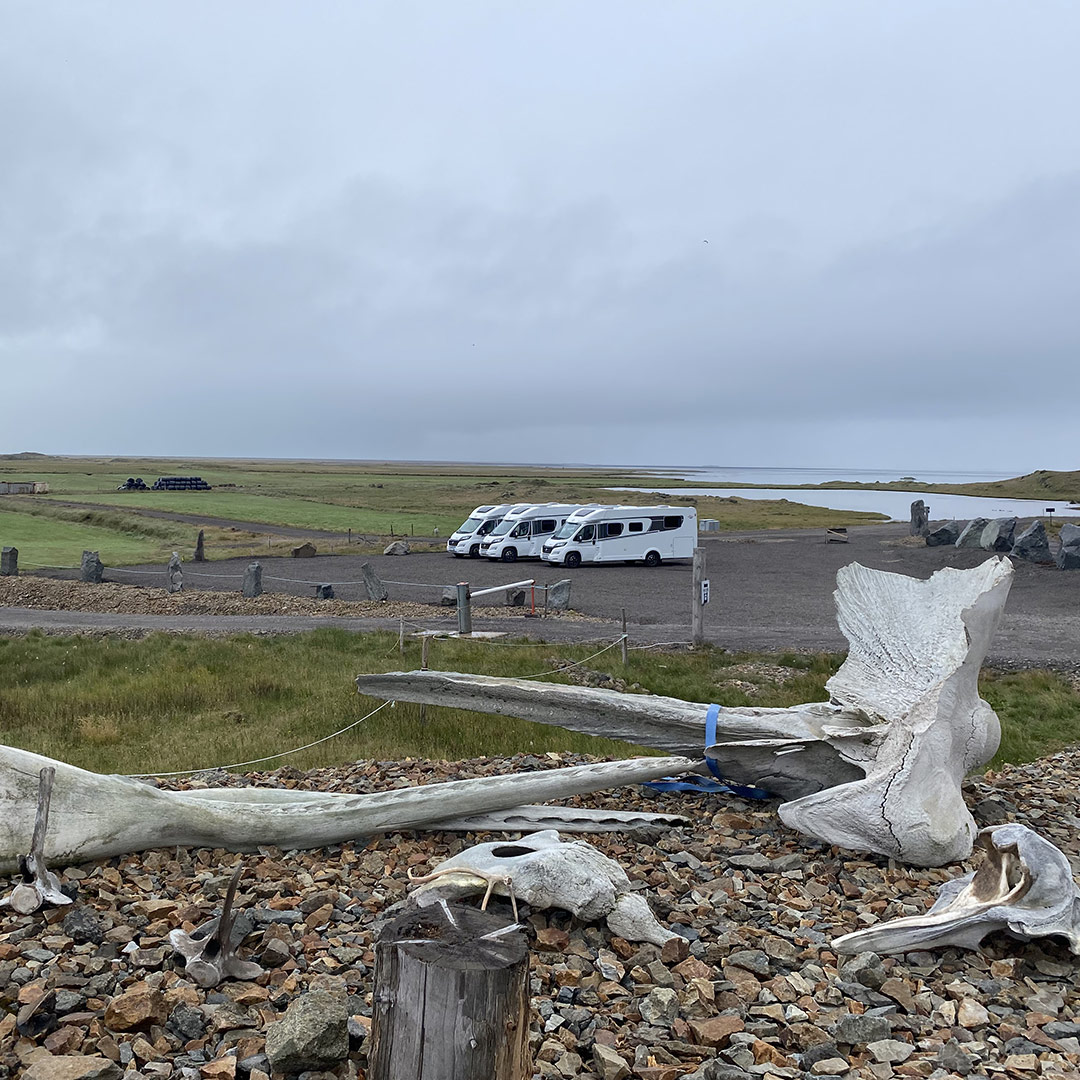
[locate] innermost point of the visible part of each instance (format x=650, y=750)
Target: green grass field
x=368, y=499
x=177, y=702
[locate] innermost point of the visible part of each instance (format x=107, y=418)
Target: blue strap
x=703, y=784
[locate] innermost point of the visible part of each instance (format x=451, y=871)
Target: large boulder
x=944, y=534
x=304, y=551
x=558, y=595
x=398, y=547
x=314, y=1032
x=91, y=568
x=1032, y=544
x=920, y=518
x=252, y=585
x=998, y=535
x=971, y=537
x=1068, y=556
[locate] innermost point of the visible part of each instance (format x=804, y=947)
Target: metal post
x=426, y=641
x=697, y=609
x=464, y=611
x=625, y=643
x=401, y=636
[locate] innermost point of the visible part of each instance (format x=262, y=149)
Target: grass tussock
x=169, y=702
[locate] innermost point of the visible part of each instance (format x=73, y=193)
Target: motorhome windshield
x=568, y=530
x=470, y=526
x=502, y=528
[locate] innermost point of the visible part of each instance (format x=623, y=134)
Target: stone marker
x=304, y=551
x=252, y=580
x=449, y=596
x=998, y=535
x=1033, y=544
x=558, y=597
x=971, y=537
x=920, y=518
x=944, y=534
x=200, y=555
x=175, y=573
x=9, y=562
x=516, y=597
x=91, y=569
x=1068, y=556
x=324, y=592
x=376, y=590
x=398, y=547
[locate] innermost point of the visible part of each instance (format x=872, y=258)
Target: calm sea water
x=896, y=504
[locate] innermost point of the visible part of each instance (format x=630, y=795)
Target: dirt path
x=770, y=591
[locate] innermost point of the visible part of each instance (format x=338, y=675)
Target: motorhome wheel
x=509, y=554
x=474, y=551
x=653, y=558
x=573, y=560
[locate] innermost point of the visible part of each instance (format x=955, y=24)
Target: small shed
x=23, y=487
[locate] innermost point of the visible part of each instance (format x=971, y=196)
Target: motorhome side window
x=587, y=532
x=521, y=530
x=486, y=527
x=608, y=529
x=636, y=526
x=544, y=526
x=673, y=522
x=656, y=524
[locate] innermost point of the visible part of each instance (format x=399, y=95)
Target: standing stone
x=998, y=535
x=1033, y=544
x=9, y=562
x=944, y=534
x=175, y=573
x=449, y=596
x=558, y=597
x=91, y=569
x=253, y=580
x=200, y=555
x=920, y=518
x=398, y=547
x=324, y=592
x=376, y=590
x=304, y=551
x=1068, y=556
x=516, y=597
x=971, y=537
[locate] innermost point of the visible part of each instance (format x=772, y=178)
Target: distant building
x=23, y=487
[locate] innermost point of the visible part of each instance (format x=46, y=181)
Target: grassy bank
x=174, y=702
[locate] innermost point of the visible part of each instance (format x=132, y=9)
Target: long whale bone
x=96, y=816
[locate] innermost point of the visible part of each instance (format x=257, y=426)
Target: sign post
x=700, y=598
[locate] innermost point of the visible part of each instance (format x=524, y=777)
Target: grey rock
x=9, y=562
x=864, y=968
x=754, y=960
x=313, y=1033
x=175, y=573
x=660, y=1007
x=558, y=595
x=854, y=1029
x=68, y=1001
x=890, y=1051
x=952, y=1057
x=397, y=547
x=755, y=861
x=187, y=1022
x=324, y=592
x=252, y=580
x=91, y=569
x=920, y=518
x=1032, y=544
x=200, y=553
x=1068, y=556
x=449, y=596
x=971, y=537
x=73, y=1067
x=84, y=926
x=376, y=590
x=998, y=535
x=944, y=535
x=609, y=1064
x=269, y=915
x=304, y=551
x=516, y=597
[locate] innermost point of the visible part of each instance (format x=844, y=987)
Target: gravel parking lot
x=769, y=590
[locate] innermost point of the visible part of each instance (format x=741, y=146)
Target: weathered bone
x=1024, y=886
x=878, y=768
x=40, y=885
x=209, y=952
x=96, y=816
x=545, y=872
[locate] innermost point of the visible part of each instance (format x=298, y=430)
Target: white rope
x=119, y=570
x=574, y=663
x=272, y=757
x=658, y=645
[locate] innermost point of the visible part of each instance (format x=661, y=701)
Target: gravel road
x=770, y=590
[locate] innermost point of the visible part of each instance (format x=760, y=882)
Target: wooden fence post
x=625, y=643
x=451, y=998
x=697, y=610
x=464, y=608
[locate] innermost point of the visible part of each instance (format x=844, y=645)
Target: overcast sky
x=825, y=233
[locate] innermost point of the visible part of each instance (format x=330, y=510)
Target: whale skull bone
x=209, y=952
x=546, y=872
x=40, y=885
x=96, y=816
x=1024, y=886
x=904, y=717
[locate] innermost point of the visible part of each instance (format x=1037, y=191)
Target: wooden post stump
x=451, y=999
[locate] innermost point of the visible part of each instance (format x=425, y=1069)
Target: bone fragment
x=96, y=816
x=545, y=872
x=1024, y=886
x=209, y=952
x=40, y=885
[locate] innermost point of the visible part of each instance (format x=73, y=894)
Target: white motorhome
x=648, y=534
x=522, y=533
x=469, y=535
